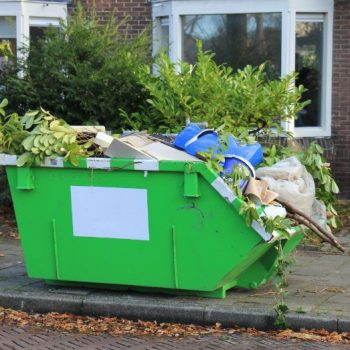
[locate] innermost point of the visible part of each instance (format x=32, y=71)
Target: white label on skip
x=107, y=212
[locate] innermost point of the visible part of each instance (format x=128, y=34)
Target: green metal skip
x=169, y=226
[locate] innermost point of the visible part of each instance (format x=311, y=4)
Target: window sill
x=312, y=132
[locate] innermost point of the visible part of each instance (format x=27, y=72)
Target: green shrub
x=241, y=101
x=84, y=72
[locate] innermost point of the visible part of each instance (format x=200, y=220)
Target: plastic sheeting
x=290, y=179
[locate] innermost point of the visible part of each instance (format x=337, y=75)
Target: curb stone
x=41, y=302
x=142, y=308
x=261, y=319
x=343, y=325
x=137, y=307
x=312, y=321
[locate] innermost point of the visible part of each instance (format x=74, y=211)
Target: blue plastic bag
x=251, y=152
x=185, y=135
x=231, y=161
x=193, y=139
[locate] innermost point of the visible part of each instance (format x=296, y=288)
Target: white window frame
x=290, y=11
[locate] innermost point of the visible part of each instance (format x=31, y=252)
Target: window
x=289, y=35
x=309, y=65
x=22, y=22
x=38, y=26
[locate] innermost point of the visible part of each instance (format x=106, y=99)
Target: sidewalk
x=319, y=296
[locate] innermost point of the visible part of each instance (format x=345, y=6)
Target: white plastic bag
x=292, y=182
x=319, y=214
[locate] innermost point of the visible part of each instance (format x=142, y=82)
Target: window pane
x=236, y=39
x=7, y=27
x=8, y=33
x=308, y=63
x=36, y=33
x=164, y=34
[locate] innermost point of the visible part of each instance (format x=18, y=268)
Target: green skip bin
x=147, y=225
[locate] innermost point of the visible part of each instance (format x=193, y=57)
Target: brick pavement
x=15, y=338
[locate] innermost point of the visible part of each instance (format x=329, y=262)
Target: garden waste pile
x=284, y=189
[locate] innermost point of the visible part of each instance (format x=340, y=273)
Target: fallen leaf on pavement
x=327, y=290
x=119, y=326
x=11, y=234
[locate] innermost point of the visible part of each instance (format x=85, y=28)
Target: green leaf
x=24, y=159
x=28, y=142
x=58, y=135
x=335, y=188
x=318, y=148
x=4, y=103
x=29, y=122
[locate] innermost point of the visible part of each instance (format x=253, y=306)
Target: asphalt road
x=14, y=338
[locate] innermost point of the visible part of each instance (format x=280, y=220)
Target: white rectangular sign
x=107, y=212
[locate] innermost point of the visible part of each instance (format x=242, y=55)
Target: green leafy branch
x=11, y=131
x=38, y=134
x=326, y=187
x=51, y=137
x=279, y=280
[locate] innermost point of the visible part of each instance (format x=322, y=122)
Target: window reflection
x=8, y=33
x=308, y=63
x=236, y=39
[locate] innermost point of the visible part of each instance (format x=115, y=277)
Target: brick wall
x=138, y=11
x=341, y=95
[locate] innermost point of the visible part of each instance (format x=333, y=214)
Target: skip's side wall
x=139, y=12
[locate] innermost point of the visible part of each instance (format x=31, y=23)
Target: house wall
x=138, y=11
x=338, y=147
x=341, y=95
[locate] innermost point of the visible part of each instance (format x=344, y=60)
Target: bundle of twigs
x=305, y=220
x=84, y=137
